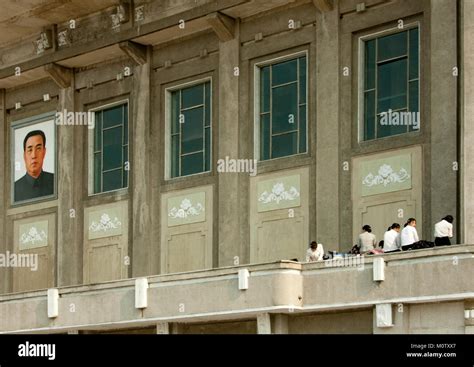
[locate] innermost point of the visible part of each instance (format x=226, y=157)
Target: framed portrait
x=34, y=164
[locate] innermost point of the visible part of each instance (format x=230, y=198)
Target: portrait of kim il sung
x=34, y=159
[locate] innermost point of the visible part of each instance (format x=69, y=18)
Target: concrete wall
x=282, y=296
x=355, y=322
x=331, y=209
x=239, y=327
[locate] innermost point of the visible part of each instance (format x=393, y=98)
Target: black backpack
x=422, y=244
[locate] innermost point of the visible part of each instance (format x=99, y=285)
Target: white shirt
x=367, y=242
x=409, y=235
x=316, y=255
x=391, y=240
x=443, y=229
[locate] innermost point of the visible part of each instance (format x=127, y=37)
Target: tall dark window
x=191, y=130
x=110, y=153
x=283, y=109
x=391, y=82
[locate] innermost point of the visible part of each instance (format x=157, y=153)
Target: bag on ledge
x=422, y=244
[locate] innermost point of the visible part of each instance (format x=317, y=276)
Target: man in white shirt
x=409, y=234
x=443, y=230
x=315, y=252
x=367, y=240
x=391, y=239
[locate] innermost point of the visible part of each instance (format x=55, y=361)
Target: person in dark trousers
x=443, y=231
x=392, y=238
x=409, y=235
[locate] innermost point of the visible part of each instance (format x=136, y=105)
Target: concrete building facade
x=227, y=135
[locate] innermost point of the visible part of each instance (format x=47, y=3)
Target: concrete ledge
x=284, y=287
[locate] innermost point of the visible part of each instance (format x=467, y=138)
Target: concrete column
x=443, y=113
x=140, y=177
x=400, y=318
x=280, y=324
x=469, y=316
x=70, y=213
x=467, y=124
x=328, y=167
x=264, y=325
x=229, y=191
x=176, y=328
x=163, y=328
x=4, y=276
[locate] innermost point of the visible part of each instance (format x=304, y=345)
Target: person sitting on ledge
x=391, y=238
x=367, y=240
x=315, y=252
x=409, y=234
x=443, y=230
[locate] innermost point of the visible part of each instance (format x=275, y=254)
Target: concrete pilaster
x=443, y=114
x=469, y=316
x=175, y=328
x=400, y=319
x=280, y=324
x=140, y=188
x=328, y=166
x=264, y=325
x=229, y=190
x=467, y=125
x=70, y=219
x=163, y=328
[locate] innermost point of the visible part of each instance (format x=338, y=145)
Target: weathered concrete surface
x=277, y=288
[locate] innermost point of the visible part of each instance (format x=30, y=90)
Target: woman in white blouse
x=315, y=252
x=409, y=234
x=443, y=231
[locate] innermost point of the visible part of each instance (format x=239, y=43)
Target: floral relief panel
x=33, y=235
x=385, y=175
x=279, y=193
x=105, y=223
x=186, y=209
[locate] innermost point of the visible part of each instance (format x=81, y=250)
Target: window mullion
x=298, y=104
x=270, y=95
x=376, y=99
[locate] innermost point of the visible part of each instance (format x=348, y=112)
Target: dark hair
x=34, y=133
x=367, y=228
x=395, y=225
x=449, y=218
x=409, y=221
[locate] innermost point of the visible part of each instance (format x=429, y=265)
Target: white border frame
x=360, y=79
x=256, y=101
x=167, y=155
x=90, y=148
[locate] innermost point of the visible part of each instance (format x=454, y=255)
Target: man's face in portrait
x=34, y=154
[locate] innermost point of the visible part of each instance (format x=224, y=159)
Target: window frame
x=361, y=79
x=168, y=113
x=256, y=101
x=90, y=137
